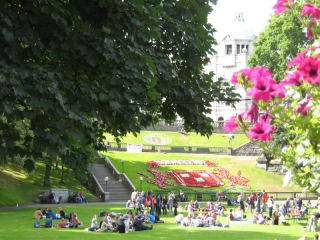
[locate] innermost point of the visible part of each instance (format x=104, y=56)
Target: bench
x=203, y=150
x=177, y=149
x=44, y=199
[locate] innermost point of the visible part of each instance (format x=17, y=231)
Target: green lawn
x=190, y=139
x=259, y=179
x=18, y=224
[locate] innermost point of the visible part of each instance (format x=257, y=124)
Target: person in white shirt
x=179, y=218
x=270, y=205
x=134, y=195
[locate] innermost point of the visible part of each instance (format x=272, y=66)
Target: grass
x=18, y=187
x=190, y=139
x=259, y=179
x=18, y=224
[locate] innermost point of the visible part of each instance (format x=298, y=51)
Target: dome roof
x=241, y=30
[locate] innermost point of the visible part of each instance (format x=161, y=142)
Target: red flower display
x=196, y=178
x=191, y=178
x=233, y=180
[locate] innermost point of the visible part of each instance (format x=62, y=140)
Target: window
x=238, y=49
x=228, y=49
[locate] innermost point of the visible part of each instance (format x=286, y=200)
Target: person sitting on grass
x=188, y=221
x=44, y=212
x=62, y=223
x=179, y=218
x=121, y=223
x=139, y=226
x=148, y=218
x=48, y=223
x=196, y=205
x=62, y=213
x=51, y=213
x=157, y=218
x=76, y=222
x=255, y=217
x=262, y=219
x=38, y=214
x=94, y=224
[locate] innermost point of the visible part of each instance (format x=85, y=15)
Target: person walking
x=314, y=221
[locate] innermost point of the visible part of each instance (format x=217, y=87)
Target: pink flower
x=253, y=113
x=241, y=74
x=231, y=124
x=311, y=27
x=302, y=105
x=276, y=90
x=298, y=58
x=260, y=73
x=293, y=79
x=265, y=118
x=261, y=130
x=282, y=5
x=309, y=69
x=261, y=90
x=310, y=9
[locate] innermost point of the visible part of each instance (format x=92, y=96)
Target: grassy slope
x=259, y=179
x=239, y=230
x=22, y=188
x=191, y=139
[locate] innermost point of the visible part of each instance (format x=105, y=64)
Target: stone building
x=233, y=51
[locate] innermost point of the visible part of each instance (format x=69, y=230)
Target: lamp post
x=122, y=161
x=106, y=179
x=141, y=178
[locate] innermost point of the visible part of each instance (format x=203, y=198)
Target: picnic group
x=145, y=209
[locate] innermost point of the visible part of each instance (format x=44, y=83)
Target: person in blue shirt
x=151, y=217
x=51, y=213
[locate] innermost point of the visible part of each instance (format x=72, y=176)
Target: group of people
x=66, y=221
x=122, y=223
x=165, y=205
x=79, y=197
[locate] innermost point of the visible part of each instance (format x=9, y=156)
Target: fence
x=211, y=196
x=113, y=146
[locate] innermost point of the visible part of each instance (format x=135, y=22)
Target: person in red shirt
x=264, y=200
x=252, y=202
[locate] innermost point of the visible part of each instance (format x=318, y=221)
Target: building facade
x=233, y=51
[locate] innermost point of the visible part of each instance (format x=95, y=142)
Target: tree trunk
x=61, y=171
x=47, y=175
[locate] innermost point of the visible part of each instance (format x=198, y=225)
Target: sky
x=256, y=12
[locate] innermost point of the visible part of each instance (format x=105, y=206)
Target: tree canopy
x=280, y=41
x=72, y=70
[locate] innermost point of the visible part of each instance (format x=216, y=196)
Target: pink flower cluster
x=307, y=9
x=260, y=87
x=233, y=180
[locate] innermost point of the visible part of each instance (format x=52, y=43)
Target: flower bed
x=233, y=180
x=192, y=178
x=196, y=178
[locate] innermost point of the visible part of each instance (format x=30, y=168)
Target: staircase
x=247, y=149
x=119, y=192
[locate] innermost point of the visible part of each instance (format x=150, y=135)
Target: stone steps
x=119, y=192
